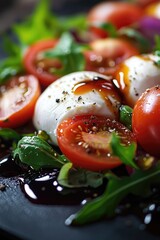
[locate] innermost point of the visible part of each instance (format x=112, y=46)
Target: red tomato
x=153, y=10
x=120, y=14
x=37, y=65
x=106, y=54
x=85, y=141
x=144, y=3
x=17, y=100
x=146, y=120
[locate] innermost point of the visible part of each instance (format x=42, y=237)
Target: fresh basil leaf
x=9, y=134
x=134, y=34
x=117, y=189
x=69, y=53
x=109, y=28
x=37, y=153
x=76, y=177
x=126, y=116
x=125, y=153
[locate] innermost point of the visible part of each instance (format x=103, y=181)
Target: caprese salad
x=89, y=87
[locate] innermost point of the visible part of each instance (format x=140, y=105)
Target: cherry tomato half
x=106, y=54
x=146, y=121
x=85, y=141
x=39, y=66
x=17, y=100
x=120, y=14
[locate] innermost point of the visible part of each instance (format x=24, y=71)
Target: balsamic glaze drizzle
x=43, y=188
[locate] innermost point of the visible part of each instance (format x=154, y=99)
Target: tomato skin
x=120, y=14
x=146, y=121
x=153, y=10
x=144, y=3
x=18, y=100
x=31, y=66
x=106, y=54
x=86, y=148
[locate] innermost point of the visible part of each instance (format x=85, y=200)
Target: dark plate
x=21, y=219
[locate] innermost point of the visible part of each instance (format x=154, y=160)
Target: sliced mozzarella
x=75, y=94
x=136, y=74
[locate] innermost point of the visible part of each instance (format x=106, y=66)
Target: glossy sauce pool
x=43, y=188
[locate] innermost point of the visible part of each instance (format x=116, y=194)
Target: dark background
x=13, y=10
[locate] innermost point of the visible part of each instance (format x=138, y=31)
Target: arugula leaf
x=76, y=177
x=157, y=43
x=11, y=65
x=157, y=53
x=139, y=184
x=37, y=153
x=36, y=26
x=9, y=134
x=125, y=153
x=44, y=24
x=69, y=53
x=126, y=116
x=75, y=22
x=134, y=34
x=9, y=68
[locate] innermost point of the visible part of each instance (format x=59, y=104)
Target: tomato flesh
x=37, y=65
x=85, y=140
x=106, y=54
x=17, y=100
x=146, y=121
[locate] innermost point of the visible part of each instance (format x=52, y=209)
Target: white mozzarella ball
x=75, y=94
x=136, y=74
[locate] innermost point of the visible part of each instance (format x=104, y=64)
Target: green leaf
x=9, y=134
x=75, y=22
x=157, y=43
x=137, y=36
x=12, y=64
x=76, y=177
x=126, y=116
x=125, y=153
x=9, y=67
x=157, y=54
x=109, y=28
x=69, y=53
x=104, y=206
x=44, y=24
x=37, y=153
x=36, y=26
